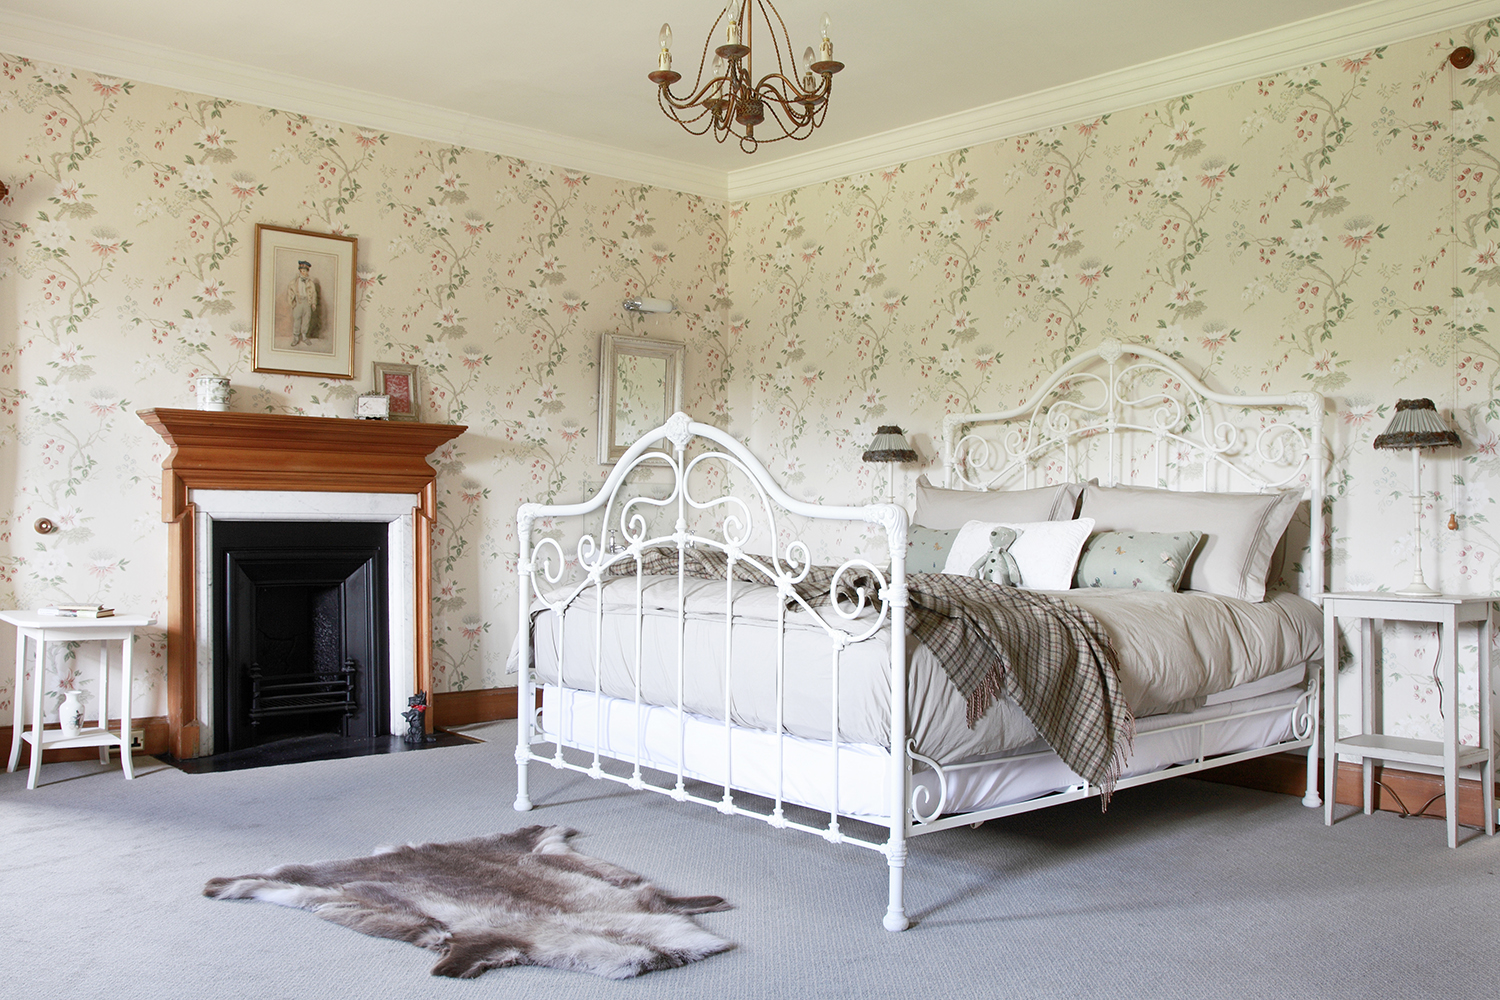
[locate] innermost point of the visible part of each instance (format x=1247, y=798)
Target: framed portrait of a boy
x=303, y=317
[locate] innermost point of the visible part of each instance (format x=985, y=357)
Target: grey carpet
x=1184, y=889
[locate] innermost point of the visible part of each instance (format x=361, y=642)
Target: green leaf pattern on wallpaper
x=1336, y=227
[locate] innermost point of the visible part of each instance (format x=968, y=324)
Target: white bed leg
x=1311, y=799
x=523, y=799
x=1315, y=710
x=895, y=914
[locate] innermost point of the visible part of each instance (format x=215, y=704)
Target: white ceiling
x=566, y=81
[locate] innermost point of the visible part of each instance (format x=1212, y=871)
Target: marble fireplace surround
x=262, y=466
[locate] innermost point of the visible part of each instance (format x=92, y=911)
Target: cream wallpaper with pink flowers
x=1336, y=227
x=1332, y=228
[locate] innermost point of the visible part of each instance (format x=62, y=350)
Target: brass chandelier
x=732, y=101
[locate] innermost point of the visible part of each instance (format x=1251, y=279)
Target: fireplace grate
x=302, y=694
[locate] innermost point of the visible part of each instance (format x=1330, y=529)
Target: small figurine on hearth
x=416, y=732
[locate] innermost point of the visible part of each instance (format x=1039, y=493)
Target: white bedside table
x=1372, y=744
x=42, y=629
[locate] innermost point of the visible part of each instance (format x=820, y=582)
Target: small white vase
x=70, y=714
x=213, y=392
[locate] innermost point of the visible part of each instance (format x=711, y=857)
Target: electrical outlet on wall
x=138, y=739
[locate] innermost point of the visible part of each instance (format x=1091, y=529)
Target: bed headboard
x=1129, y=414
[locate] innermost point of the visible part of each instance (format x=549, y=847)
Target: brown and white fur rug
x=523, y=898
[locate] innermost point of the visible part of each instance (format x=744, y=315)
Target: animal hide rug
x=523, y=898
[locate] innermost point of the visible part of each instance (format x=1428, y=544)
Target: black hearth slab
x=300, y=749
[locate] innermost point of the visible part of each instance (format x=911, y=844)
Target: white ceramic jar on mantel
x=213, y=392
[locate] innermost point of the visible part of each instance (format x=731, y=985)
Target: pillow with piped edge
x=1240, y=530
x=940, y=508
x=1045, y=552
x=1136, y=560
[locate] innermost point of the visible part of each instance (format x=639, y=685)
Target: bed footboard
x=620, y=553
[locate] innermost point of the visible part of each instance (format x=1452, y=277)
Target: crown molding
x=49, y=41
x=1315, y=39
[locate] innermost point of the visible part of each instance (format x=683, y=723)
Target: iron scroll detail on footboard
x=633, y=514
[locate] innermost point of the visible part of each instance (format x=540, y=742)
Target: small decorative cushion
x=1240, y=530
x=1045, y=552
x=940, y=508
x=983, y=550
x=1136, y=560
x=927, y=548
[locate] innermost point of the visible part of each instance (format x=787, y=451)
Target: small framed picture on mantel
x=399, y=382
x=303, y=319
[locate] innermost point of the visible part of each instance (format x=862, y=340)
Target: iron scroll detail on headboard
x=1129, y=414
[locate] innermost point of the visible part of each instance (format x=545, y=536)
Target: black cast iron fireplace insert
x=300, y=627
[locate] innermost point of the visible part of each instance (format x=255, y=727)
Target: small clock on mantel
x=373, y=406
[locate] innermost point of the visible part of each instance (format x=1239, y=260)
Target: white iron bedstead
x=1102, y=414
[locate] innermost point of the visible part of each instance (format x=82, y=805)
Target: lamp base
x=1418, y=589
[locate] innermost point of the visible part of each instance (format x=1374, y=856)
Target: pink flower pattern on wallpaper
x=1328, y=228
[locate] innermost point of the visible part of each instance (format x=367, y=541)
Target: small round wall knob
x=1461, y=57
x=44, y=526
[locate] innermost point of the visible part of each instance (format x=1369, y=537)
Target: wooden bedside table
x=1371, y=744
x=42, y=629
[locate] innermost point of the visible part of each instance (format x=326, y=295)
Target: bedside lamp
x=890, y=446
x=1415, y=426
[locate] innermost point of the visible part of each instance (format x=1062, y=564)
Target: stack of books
x=76, y=611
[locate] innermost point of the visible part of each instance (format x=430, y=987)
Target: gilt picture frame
x=302, y=322
x=402, y=384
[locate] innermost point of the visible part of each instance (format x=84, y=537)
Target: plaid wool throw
x=1052, y=658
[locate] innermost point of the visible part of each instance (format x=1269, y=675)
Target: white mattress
x=855, y=781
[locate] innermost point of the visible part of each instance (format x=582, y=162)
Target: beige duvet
x=1173, y=649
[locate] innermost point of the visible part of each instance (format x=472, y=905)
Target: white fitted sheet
x=621, y=730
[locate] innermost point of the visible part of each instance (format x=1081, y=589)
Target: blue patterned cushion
x=927, y=548
x=1136, y=560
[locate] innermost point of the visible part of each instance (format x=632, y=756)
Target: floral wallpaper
x=1336, y=228
x=1331, y=228
x=128, y=238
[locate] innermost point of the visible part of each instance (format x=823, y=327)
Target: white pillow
x=1046, y=552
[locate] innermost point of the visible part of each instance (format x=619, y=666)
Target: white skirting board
x=621, y=730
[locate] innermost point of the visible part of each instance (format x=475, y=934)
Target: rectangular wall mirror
x=640, y=386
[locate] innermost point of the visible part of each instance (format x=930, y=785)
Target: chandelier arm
x=792, y=93
x=696, y=99
x=800, y=126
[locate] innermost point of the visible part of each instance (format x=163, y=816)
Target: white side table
x=1447, y=612
x=42, y=629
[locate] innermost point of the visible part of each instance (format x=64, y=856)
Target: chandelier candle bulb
x=665, y=60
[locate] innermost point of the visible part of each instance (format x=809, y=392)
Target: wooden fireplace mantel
x=282, y=453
